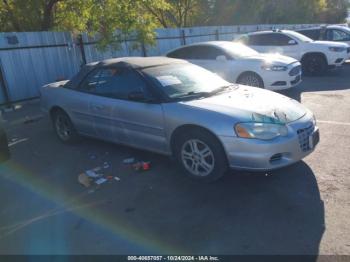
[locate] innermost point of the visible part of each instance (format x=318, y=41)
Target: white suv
x=315, y=56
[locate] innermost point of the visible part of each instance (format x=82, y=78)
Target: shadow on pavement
x=241, y=214
x=340, y=79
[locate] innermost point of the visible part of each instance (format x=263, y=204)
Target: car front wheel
x=314, y=65
x=250, y=79
x=201, y=156
x=64, y=127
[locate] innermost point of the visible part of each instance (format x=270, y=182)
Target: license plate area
x=314, y=138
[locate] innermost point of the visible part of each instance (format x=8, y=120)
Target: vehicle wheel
x=250, y=79
x=314, y=65
x=64, y=127
x=201, y=155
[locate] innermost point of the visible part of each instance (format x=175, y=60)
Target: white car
x=336, y=33
x=315, y=56
x=238, y=63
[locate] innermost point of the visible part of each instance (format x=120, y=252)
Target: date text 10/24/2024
x=173, y=258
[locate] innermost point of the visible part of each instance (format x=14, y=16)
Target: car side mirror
x=221, y=58
x=136, y=96
x=292, y=42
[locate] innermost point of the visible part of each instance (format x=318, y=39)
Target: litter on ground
x=142, y=166
x=84, y=180
x=91, y=173
x=129, y=161
x=100, y=181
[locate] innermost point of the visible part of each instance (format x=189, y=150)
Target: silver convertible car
x=173, y=107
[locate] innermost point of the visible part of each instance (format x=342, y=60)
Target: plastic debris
x=84, y=180
x=91, y=173
x=117, y=178
x=105, y=165
x=96, y=169
x=100, y=181
x=142, y=166
x=109, y=177
x=129, y=161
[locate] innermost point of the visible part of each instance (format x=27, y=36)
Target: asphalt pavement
x=301, y=209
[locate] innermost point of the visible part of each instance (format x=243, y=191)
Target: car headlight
x=336, y=49
x=274, y=68
x=314, y=122
x=262, y=131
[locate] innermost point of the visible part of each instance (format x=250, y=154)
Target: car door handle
x=98, y=107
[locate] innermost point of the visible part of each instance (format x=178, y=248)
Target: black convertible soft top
x=133, y=62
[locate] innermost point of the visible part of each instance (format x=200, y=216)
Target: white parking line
x=333, y=122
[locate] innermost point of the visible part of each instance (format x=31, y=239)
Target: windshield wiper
x=222, y=88
x=197, y=94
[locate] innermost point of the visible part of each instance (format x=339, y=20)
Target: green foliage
x=109, y=20
x=277, y=11
x=114, y=20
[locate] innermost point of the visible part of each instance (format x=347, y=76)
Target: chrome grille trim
x=303, y=135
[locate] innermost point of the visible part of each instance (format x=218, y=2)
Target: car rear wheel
x=64, y=127
x=250, y=79
x=201, y=156
x=314, y=65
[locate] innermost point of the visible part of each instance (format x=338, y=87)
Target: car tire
x=250, y=79
x=314, y=65
x=64, y=127
x=200, y=155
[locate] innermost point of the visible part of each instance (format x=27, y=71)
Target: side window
x=115, y=83
x=312, y=33
x=269, y=39
x=278, y=39
x=244, y=39
x=90, y=82
x=179, y=53
x=183, y=53
x=260, y=39
x=338, y=35
x=256, y=40
x=207, y=53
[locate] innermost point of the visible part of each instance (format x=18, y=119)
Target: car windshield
x=300, y=37
x=342, y=28
x=238, y=50
x=186, y=80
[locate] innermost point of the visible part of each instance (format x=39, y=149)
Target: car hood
x=274, y=59
x=252, y=104
x=329, y=43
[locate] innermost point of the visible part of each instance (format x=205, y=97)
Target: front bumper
x=337, y=59
x=259, y=155
x=282, y=80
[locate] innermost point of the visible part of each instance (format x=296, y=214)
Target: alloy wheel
x=63, y=127
x=197, y=157
x=250, y=80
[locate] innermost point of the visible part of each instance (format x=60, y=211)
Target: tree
x=110, y=20
x=29, y=15
x=230, y=12
x=335, y=11
x=178, y=13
